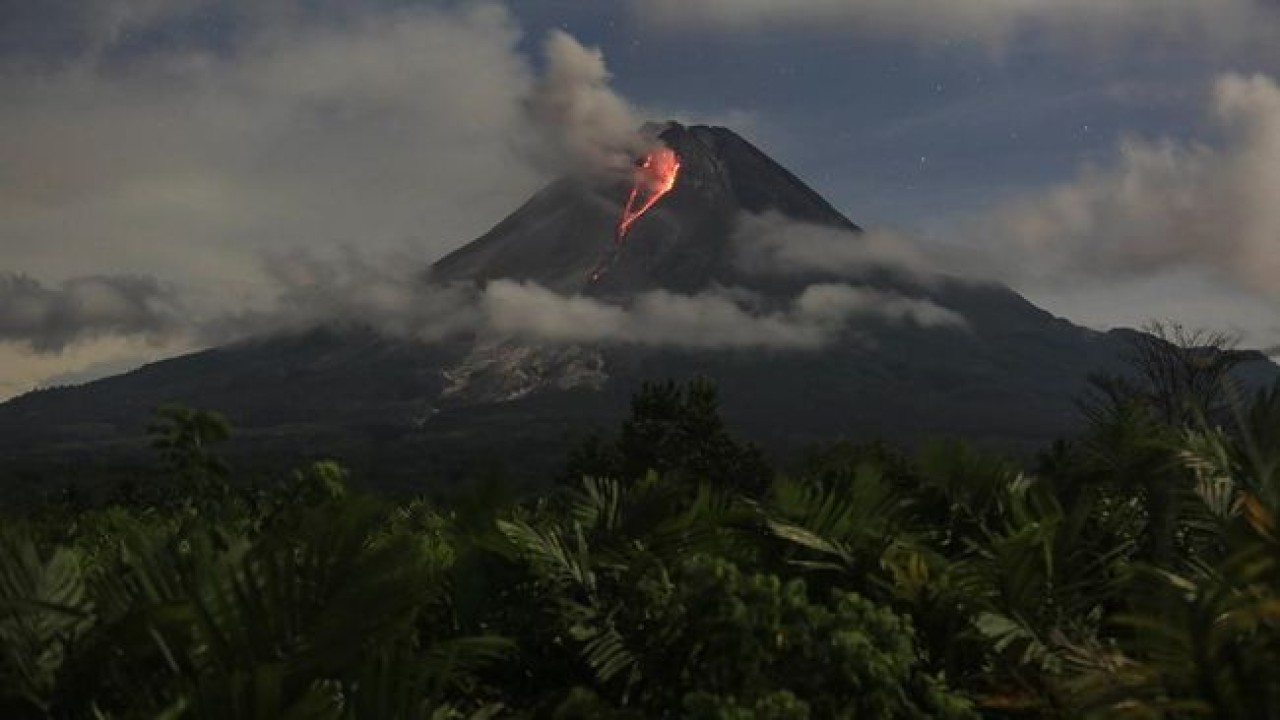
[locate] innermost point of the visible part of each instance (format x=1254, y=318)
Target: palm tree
x=1205, y=636
x=1179, y=379
x=324, y=610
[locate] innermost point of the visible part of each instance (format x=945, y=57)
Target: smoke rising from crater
x=583, y=125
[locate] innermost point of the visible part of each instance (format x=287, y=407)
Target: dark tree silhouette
x=674, y=430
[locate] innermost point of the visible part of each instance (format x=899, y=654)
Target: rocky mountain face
x=409, y=412
x=684, y=244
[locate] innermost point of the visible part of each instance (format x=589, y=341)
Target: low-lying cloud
x=350, y=287
x=381, y=295
x=294, y=125
x=772, y=244
x=309, y=127
x=715, y=319
x=384, y=293
x=48, y=319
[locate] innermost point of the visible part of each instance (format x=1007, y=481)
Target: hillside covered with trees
x=1132, y=571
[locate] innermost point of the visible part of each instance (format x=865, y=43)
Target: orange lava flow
x=655, y=176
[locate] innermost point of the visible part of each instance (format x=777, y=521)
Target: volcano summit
x=683, y=244
x=738, y=271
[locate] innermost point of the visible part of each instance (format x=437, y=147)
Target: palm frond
x=44, y=610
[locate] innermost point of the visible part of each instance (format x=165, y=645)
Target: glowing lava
x=655, y=176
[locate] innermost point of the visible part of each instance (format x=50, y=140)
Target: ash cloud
x=1161, y=206
x=296, y=125
x=350, y=288
x=307, y=125
x=48, y=319
x=582, y=125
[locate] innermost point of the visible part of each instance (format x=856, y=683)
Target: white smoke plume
x=583, y=125
x=305, y=125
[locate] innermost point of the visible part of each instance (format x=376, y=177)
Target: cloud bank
x=772, y=244
x=48, y=319
x=350, y=288
x=994, y=23
x=347, y=288
x=716, y=319
x=386, y=293
x=308, y=128
x=305, y=131
x=1160, y=206
x=282, y=129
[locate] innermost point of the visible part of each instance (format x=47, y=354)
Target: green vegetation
x=1133, y=573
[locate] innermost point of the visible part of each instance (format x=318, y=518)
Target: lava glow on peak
x=655, y=175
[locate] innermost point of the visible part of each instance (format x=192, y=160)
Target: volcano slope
x=910, y=355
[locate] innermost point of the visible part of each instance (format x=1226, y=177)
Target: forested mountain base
x=1134, y=572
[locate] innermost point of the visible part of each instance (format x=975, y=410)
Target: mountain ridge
x=402, y=409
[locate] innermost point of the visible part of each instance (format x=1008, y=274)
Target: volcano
x=684, y=244
x=406, y=412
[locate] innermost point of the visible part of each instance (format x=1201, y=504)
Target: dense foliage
x=1134, y=572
